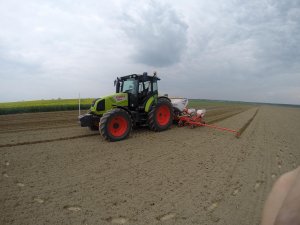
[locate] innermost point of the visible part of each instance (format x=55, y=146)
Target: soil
x=55, y=172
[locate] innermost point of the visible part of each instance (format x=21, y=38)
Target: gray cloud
x=240, y=50
x=158, y=34
x=235, y=49
x=275, y=27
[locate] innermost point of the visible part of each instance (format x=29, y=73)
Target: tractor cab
x=140, y=88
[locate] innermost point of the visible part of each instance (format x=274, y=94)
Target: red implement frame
x=196, y=121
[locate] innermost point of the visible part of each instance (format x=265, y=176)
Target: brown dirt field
x=180, y=176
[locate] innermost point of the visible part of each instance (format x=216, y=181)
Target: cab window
x=129, y=86
x=144, y=87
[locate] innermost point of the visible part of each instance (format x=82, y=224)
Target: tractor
x=135, y=103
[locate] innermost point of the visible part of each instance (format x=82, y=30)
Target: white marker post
x=79, y=104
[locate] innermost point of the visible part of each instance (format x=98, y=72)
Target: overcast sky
x=221, y=49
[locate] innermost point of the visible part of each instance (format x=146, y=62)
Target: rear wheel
x=115, y=125
x=161, y=116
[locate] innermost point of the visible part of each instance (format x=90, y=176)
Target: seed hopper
x=193, y=117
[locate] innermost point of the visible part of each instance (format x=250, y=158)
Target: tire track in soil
x=230, y=188
x=37, y=129
x=243, y=128
x=138, y=166
x=227, y=115
x=180, y=190
x=255, y=183
x=82, y=136
x=261, y=148
x=115, y=201
x=135, y=134
x=161, y=157
x=183, y=189
x=262, y=170
x=15, y=123
x=107, y=184
x=178, y=193
x=47, y=140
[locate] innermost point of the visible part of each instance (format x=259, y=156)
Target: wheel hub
x=163, y=115
x=118, y=126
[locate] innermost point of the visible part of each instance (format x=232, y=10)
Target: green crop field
x=43, y=106
x=72, y=104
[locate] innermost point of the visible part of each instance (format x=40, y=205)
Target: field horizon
x=50, y=105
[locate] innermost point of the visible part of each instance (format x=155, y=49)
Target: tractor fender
x=151, y=101
x=125, y=108
x=165, y=97
x=131, y=114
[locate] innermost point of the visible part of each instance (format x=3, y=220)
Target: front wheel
x=94, y=127
x=161, y=115
x=115, y=125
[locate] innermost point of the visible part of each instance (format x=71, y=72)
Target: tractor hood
x=102, y=105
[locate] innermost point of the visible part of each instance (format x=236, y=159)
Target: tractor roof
x=140, y=77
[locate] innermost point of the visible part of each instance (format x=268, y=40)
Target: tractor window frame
x=143, y=85
x=128, y=86
x=154, y=86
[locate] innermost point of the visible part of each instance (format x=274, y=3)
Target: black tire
x=115, y=125
x=94, y=123
x=176, y=115
x=94, y=128
x=158, y=119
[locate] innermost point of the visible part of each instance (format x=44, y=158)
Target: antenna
x=79, y=104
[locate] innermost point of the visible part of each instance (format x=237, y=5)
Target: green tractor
x=135, y=103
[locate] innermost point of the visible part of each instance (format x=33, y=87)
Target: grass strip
x=43, y=106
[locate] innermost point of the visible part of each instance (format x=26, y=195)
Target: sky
x=222, y=49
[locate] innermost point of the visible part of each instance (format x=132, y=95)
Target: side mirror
x=115, y=82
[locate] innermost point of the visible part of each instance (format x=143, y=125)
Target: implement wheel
x=161, y=116
x=115, y=125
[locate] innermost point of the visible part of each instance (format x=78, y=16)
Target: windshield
x=129, y=86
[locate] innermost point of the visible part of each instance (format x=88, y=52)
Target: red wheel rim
x=163, y=115
x=118, y=126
